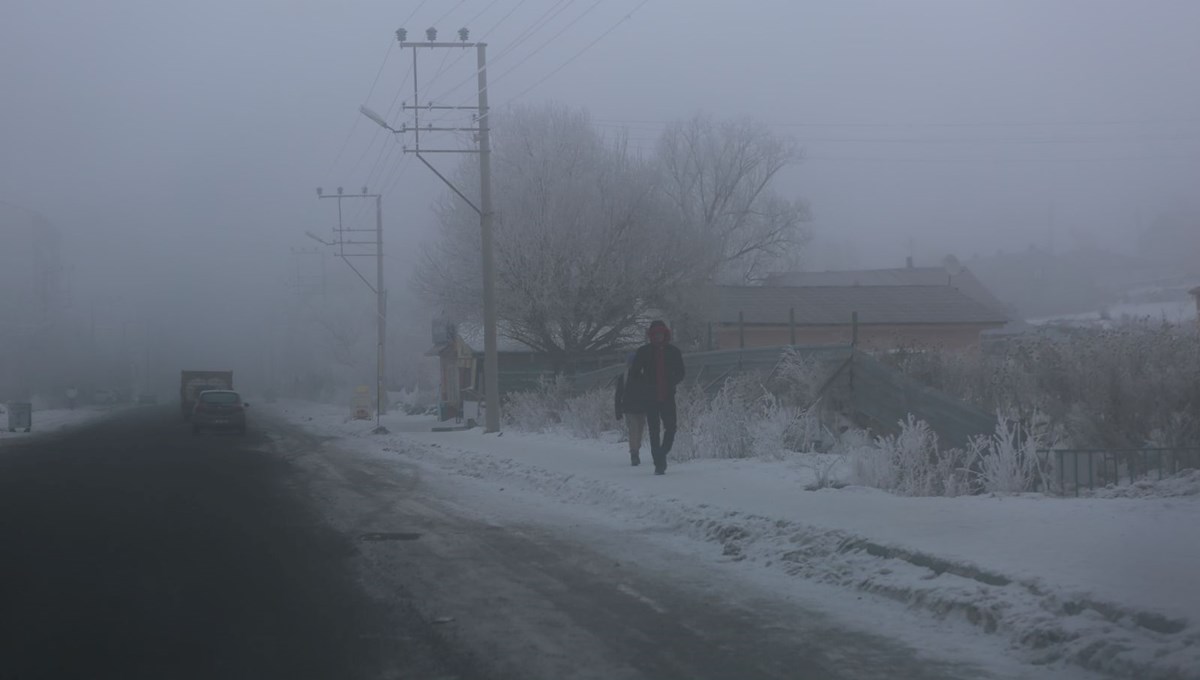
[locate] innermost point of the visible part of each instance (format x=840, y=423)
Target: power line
x=392, y=181
x=482, y=37
x=415, y=10
x=375, y=136
x=528, y=32
x=354, y=125
x=1096, y=159
x=448, y=13
x=374, y=83
x=575, y=56
x=1136, y=138
x=936, y=124
x=554, y=37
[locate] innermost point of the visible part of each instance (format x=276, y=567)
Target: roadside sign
x=361, y=406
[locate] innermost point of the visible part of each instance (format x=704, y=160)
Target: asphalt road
x=133, y=549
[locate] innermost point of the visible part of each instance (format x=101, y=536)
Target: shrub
x=724, y=429
x=1007, y=461
x=910, y=463
x=589, y=415
x=536, y=410
x=1114, y=387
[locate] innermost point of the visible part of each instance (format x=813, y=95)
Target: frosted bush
x=770, y=429
x=413, y=401
x=692, y=406
x=589, y=415
x=724, y=431
x=798, y=378
x=537, y=410
x=1007, y=462
x=909, y=463
x=1117, y=387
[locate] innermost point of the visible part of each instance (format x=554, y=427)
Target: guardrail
x=1080, y=468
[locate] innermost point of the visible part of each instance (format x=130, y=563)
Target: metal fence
x=1090, y=468
x=882, y=397
x=710, y=369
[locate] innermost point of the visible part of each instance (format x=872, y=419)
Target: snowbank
x=53, y=420
x=1185, y=483
x=1105, y=583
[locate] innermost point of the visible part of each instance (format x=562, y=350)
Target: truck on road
x=192, y=383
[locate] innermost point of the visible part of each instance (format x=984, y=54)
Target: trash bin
x=20, y=416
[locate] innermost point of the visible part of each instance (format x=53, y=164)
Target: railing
x=1080, y=468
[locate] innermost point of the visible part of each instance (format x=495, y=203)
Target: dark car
x=219, y=410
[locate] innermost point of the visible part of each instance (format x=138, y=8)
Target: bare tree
x=718, y=176
x=345, y=319
x=585, y=243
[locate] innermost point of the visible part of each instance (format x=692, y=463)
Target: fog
x=175, y=148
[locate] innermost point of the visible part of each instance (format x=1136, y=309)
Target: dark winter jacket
x=642, y=372
x=630, y=397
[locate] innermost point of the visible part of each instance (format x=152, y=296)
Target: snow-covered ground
x=53, y=420
x=1176, y=311
x=1103, y=583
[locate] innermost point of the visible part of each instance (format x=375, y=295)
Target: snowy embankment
x=1104, y=583
x=53, y=420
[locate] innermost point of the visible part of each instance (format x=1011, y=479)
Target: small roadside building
x=460, y=352
x=877, y=317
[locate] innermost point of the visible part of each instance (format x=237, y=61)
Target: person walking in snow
x=658, y=368
x=631, y=404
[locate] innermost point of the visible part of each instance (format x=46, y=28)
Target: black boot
x=635, y=458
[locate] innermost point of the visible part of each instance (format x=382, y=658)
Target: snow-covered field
x=1103, y=583
x=53, y=420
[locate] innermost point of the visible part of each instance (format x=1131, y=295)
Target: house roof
x=834, y=305
x=964, y=280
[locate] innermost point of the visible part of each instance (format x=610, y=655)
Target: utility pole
x=491, y=372
x=343, y=237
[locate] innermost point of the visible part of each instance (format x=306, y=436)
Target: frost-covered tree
x=585, y=244
x=719, y=178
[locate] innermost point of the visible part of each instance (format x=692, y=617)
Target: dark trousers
x=661, y=420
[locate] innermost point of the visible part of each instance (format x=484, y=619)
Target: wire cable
x=947, y=124
x=554, y=37
x=354, y=125
x=527, y=33
x=470, y=21
x=578, y=54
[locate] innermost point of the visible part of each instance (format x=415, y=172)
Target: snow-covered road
x=566, y=573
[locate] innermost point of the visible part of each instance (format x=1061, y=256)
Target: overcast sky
x=157, y=132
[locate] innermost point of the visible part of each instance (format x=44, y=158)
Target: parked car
x=219, y=410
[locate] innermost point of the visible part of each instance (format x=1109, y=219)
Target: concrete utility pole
x=343, y=237
x=491, y=372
